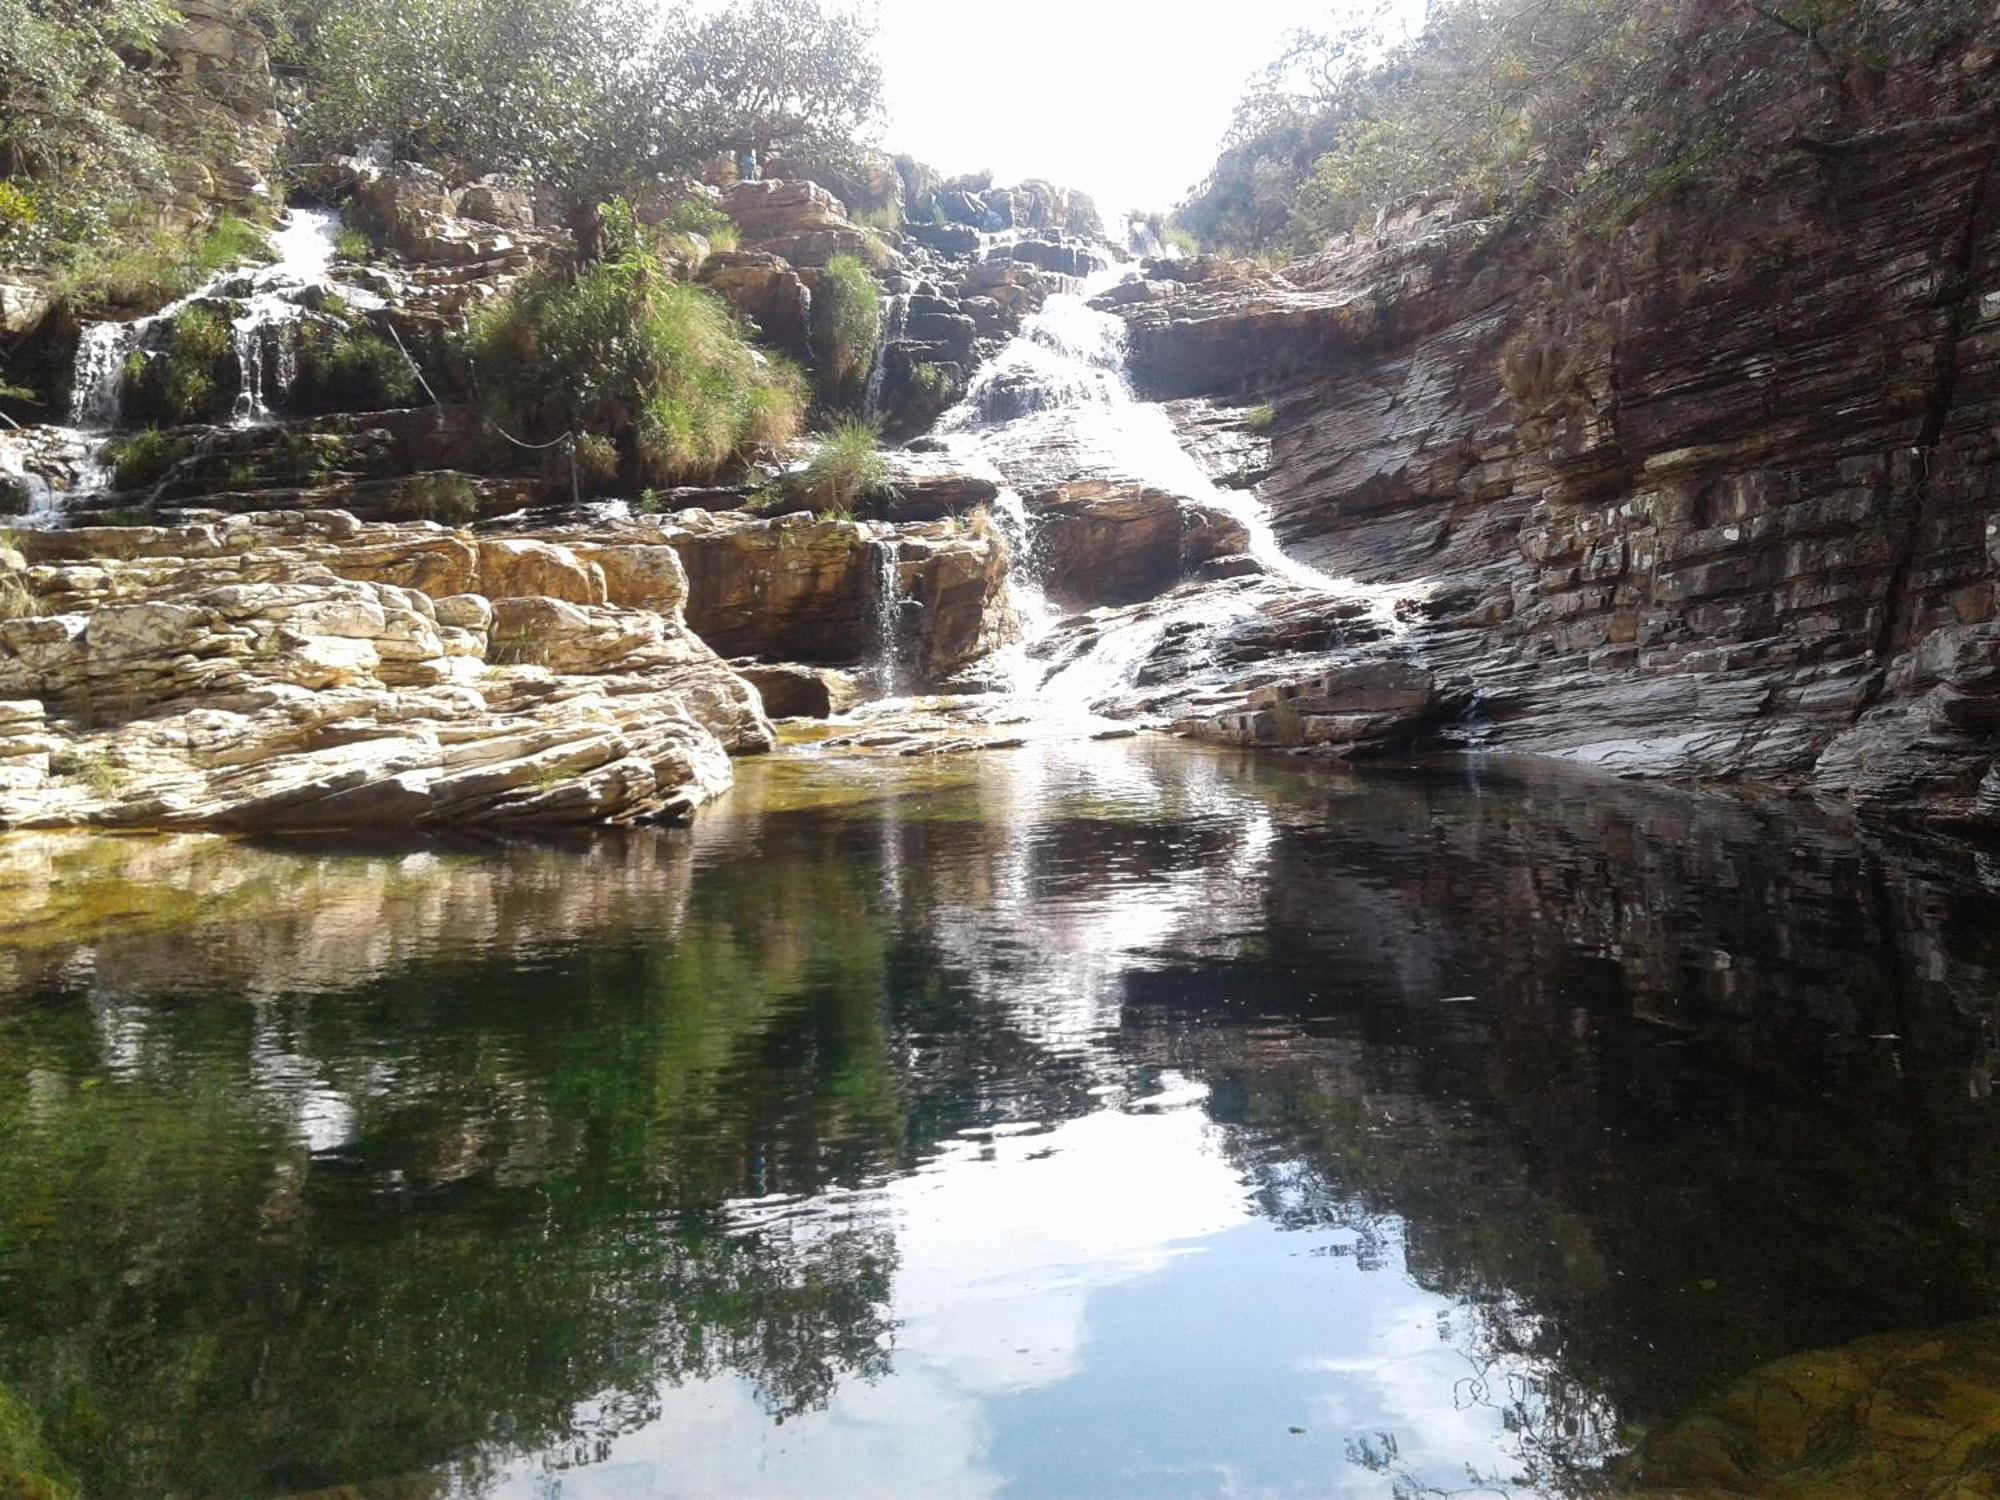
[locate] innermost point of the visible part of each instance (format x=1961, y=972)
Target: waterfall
x=1058, y=400
x=887, y=556
x=96, y=381
x=267, y=299
x=894, y=320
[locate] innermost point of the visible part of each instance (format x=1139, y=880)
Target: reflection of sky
x=1093, y=1310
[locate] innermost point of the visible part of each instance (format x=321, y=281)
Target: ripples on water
x=1087, y=1120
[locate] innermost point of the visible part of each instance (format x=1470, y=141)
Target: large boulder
x=1106, y=542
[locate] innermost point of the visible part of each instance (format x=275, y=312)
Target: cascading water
x=266, y=299
x=895, y=318
x=886, y=554
x=1056, y=404
x=305, y=251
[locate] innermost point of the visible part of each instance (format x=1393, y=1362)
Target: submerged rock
x=1904, y=1414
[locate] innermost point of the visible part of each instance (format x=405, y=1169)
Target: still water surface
x=1085, y=1120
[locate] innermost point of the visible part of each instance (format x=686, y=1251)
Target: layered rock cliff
x=1717, y=498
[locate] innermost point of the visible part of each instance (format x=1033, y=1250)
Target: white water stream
x=262, y=297
x=1057, y=404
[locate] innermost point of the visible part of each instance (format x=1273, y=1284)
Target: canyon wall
x=1716, y=497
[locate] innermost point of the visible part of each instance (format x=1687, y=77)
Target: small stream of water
x=263, y=301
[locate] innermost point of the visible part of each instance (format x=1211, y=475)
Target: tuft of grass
x=350, y=243
x=1260, y=418
x=848, y=467
x=230, y=241
x=18, y=599
x=357, y=370
x=888, y=219
x=94, y=768
x=846, y=324
x=146, y=268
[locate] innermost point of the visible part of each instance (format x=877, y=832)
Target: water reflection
x=1095, y=1119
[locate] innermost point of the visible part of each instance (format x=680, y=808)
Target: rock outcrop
x=1716, y=500
x=302, y=670
x=930, y=597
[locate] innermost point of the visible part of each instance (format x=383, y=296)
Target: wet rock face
x=798, y=589
x=303, y=670
x=1714, y=501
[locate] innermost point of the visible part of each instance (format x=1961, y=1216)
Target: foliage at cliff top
x=588, y=95
x=1573, y=112
x=66, y=155
x=622, y=350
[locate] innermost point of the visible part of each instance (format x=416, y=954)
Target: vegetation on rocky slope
x=67, y=155
x=622, y=351
x=1576, y=113
x=846, y=324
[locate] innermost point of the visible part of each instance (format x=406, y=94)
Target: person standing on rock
x=746, y=164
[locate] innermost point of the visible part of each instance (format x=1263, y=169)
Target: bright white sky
x=1126, y=101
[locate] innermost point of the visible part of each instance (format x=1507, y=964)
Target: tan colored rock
x=253, y=683
x=514, y=569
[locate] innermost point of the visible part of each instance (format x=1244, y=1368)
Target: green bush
x=447, y=498
x=144, y=458
x=1260, y=418
x=658, y=366
x=351, y=371
x=350, y=243
x=846, y=325
x=692, y=216
x=184, y=380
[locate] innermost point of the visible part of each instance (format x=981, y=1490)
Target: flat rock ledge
x=303, y=670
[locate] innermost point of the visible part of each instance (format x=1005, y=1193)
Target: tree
x=528, y=86
x=776, y=75
x=587, y=96
x=1571, y=112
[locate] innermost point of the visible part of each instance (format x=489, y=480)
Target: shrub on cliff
x=622, y=349
x=188, y=376
x=1576, y=113
x=846, y=326
x=350, y=369
x=68, y=155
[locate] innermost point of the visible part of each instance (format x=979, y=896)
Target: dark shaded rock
x=1102, y=543
x=791, y=691
x=946, y=239
x=767, y=291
